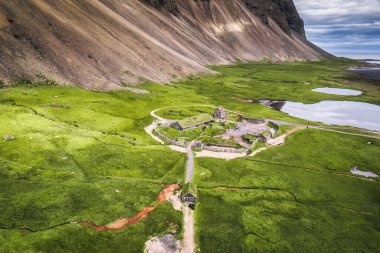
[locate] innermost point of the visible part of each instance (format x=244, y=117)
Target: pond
x=342, y=113
x=355, y=171
x=335, y=91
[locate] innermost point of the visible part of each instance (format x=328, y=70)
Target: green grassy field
x=316, y=149
x=84, y=155
x=300, y=197
x=80, y=163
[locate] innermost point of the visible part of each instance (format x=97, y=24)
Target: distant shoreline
x=373, y=73
x=361, y=56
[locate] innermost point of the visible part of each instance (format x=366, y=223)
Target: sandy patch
x=178, y=149
x=175, y=200
x=277, y=141
x=220, y=155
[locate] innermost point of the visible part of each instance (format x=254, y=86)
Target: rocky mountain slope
x=103, y=44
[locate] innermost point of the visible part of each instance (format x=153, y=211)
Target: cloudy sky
x=342, y=26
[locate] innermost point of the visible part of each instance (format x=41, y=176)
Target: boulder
x=9, y=138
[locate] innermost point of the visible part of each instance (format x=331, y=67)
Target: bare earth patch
x=220, y=155
x=281, y=139
x=175, y=199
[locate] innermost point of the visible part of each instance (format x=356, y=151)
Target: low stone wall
x=211, y=148
x=167, y=139
x=253, y=121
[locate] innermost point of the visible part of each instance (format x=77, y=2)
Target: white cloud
x=335, y=24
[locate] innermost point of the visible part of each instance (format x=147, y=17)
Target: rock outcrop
x=283, y=12
x=169, y=5
x=104, y=44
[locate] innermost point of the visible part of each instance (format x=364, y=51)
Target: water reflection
x=343, y=113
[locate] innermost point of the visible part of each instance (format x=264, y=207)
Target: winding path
x=149, y=129
x=188, y=242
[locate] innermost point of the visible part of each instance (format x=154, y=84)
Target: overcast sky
x=342, y=26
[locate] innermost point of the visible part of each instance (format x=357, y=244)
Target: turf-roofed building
x=193, y=122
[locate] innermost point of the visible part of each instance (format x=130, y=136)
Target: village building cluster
x=241, y=127
x=241, y=130
x=205, y=119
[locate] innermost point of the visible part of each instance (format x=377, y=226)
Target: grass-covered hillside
x=81, y=155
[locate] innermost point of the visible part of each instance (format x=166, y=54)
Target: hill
x=104, y=44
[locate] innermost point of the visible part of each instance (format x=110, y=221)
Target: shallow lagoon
x=335, y=91
x=343, y=113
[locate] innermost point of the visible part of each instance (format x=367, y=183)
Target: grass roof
x=189, y=188
x=195, y=120
x=267, y=134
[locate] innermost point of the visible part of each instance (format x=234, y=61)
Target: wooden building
x=189, y=193
x=220, y=113
x=253, y=120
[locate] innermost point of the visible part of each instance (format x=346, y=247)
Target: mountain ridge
x=105, y=44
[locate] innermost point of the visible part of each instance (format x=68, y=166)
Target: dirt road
x=188, y=235
x=281, y=139
x=149, y=129
x=190, y=163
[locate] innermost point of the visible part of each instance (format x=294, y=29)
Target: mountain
x=103, y=44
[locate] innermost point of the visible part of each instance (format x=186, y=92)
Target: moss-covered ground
x=84, y=155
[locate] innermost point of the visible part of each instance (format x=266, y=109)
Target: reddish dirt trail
x=123, y=223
